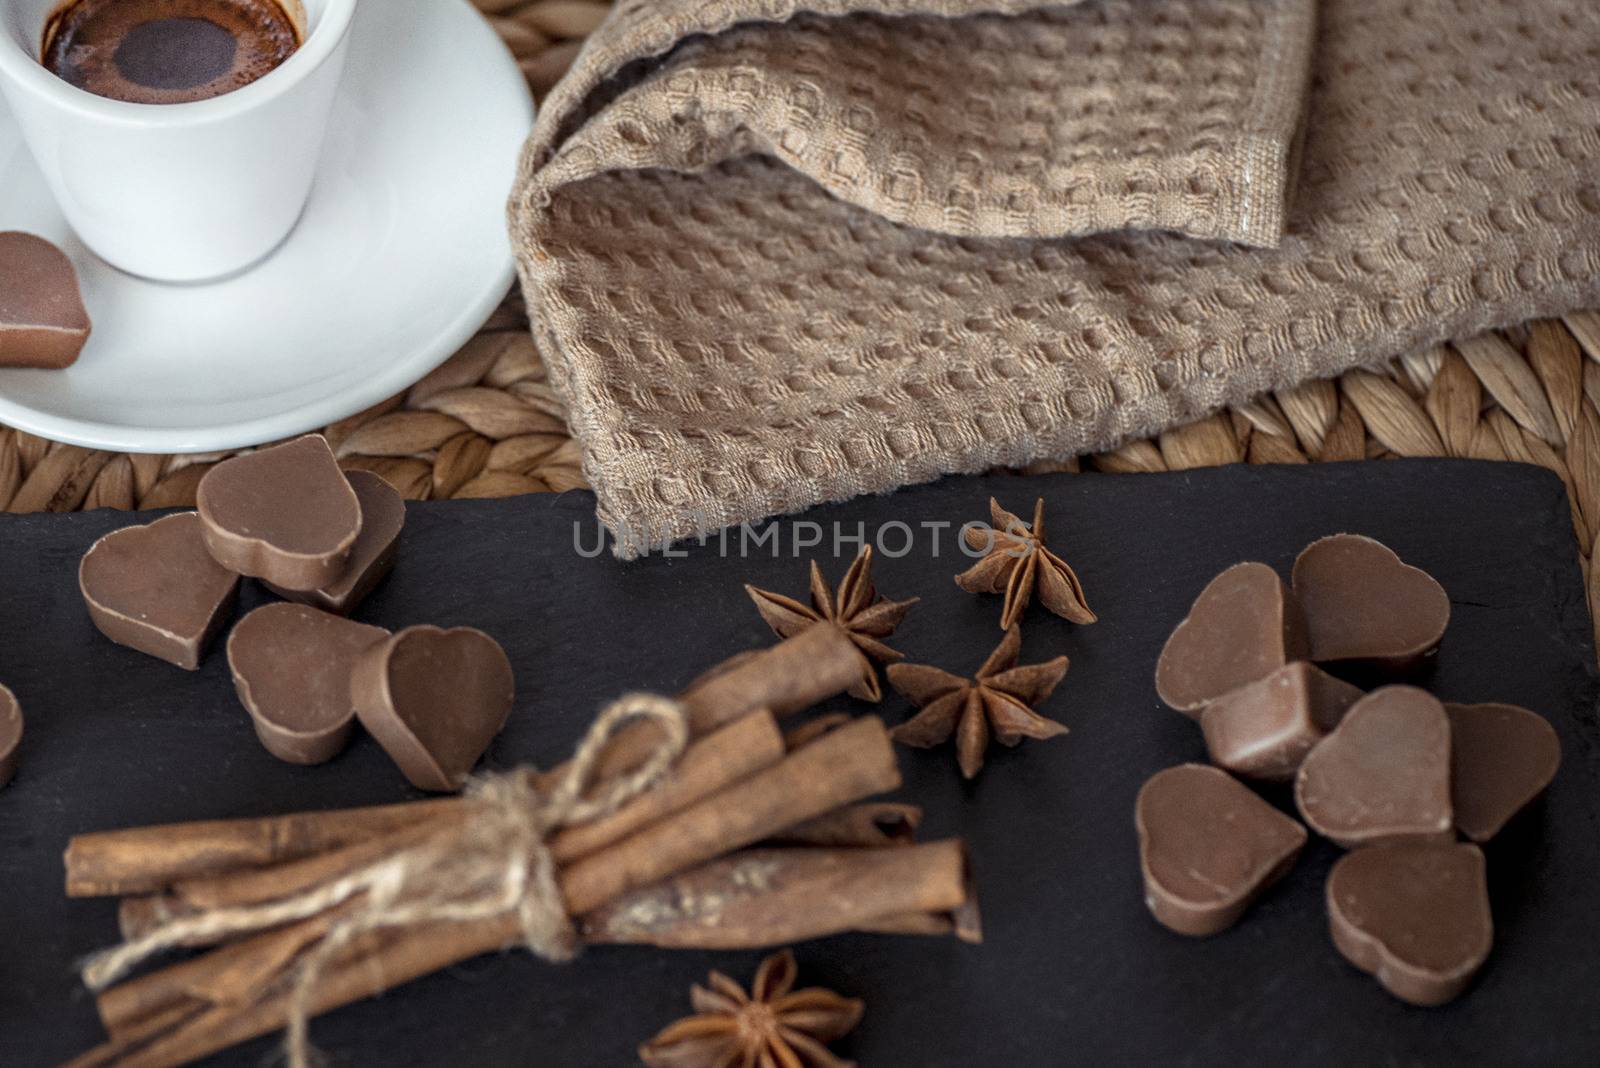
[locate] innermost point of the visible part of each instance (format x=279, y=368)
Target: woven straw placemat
x=488, y=424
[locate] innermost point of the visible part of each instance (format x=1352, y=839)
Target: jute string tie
x=496, y=864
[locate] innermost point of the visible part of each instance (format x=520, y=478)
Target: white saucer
x=401, y=255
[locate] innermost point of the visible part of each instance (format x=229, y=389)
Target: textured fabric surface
x=1120, y=114
x=779, y=256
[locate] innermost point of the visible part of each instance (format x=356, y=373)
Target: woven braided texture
x=489, y=423
x=713, y=241
x=1113, y=115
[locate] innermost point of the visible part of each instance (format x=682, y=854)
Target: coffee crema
x=167, y=51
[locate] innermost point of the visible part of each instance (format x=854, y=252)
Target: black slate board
x=1073, y=969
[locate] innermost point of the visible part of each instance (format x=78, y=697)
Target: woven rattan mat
x=488, y=424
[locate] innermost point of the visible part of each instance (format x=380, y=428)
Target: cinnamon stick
x=869, y=825
x=229, y=975
x=137, y=916
x=813, y=729
x=142, y=859
x=844, y=766
x=125, y=1043
x=839, y=769
x=861, y=889
x=964, y=921
x=726, y=755
x=721, y=758
x=376, y=962
x=926, y=924
x=794, y=674
x=770, y=897
x=786, y=678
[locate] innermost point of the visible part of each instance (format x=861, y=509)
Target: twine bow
x=497, y=865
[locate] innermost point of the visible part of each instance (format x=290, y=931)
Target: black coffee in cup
x=167, y=51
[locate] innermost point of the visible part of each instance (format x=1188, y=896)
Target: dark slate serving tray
x=1073, y=970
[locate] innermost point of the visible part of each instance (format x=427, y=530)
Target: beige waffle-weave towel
x=786, y=251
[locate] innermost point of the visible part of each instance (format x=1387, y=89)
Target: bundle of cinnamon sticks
x=750, y=840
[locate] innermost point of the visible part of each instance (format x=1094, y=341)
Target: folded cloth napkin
x=786, y=251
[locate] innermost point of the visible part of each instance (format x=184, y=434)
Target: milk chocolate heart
x=1244, y=625
x=10, y=734
x=434, y=699
x=156, y=589
x=383, y=514
x=1383, y=775
x=42, y=319
x=285, y=515
x=1414, y=914
x=1501, y=758
x=1263, y=730
x=1208, y=847
x=1363, y=604
x=291, y=665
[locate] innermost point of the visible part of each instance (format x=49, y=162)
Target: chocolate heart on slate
x=383, y=514
x=1363, y=603
x=1244, y=625
x=434, y=699
x=1208, y=847
x=285, y=515
x=1263, y=730
x=1501, y=758
x=1415, y=914
x=1383, y=775
x=42, y=319
x=10, y=734
x=291, y=665
x=156, y=589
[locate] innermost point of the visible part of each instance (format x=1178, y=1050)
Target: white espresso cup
x=179, y=192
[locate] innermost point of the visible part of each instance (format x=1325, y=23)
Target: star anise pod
x=1017, y=563
x=855, y=608
x=998, y=701
x=774, y=1026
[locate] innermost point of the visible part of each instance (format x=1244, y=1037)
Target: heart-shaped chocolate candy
x=1264, y=729
x=10, y=734
x=291, y=664
x=1363, y=604
x=42, y=319
x=285, y=515
x=434, y=699
x=1501, y=758
x=1383, y=774
x=1414, y=914
x=1244, y=625
x=383, y=514
x=1208, y=847
x=156, y=589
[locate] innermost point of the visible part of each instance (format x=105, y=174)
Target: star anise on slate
x=774, y=1026
x=1017, y=563
x=998, y=701
x=855, y=608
